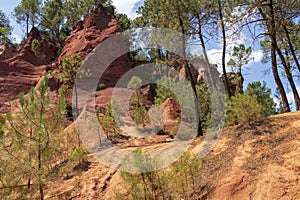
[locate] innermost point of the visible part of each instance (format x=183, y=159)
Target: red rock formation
x=23, y=71
x=172, y=112
x=47, y=52
x=235, y=83
x=16, y=77
x=99, y=25
x=7, y=51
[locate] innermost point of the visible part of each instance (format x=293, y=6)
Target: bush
x=110, y=121
x=204, y=99
x=36, y=48
x=140, y=116
x=263, y=96
x=175, y=182
x=243, y=108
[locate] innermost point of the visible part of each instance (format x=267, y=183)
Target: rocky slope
x=24, y=70
x=260, y=161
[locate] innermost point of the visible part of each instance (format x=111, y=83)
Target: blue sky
x=255, y=71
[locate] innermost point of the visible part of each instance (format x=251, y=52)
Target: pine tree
x=32, y=144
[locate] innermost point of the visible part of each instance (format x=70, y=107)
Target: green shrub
x=36, y=48
x=79, y=155
x=110, y=121
x=263, y=96
x=140, y=116
x=243, y=108
x=174, y=182
x=204, y=99
x=134, y=84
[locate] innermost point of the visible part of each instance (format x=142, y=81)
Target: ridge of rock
x=99, y=25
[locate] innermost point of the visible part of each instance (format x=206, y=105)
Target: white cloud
x=127, y=7
x=257, y=56
x=215, y=57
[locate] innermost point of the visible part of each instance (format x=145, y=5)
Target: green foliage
x=140, y=116
x=53, y=20
x=101, y=86
x=243, y=108
x=205, y=104
x=36, y=48
x=27, y=12
x=75, y=10
x=67, y=73
x=162, y=92
x=69, y=69
x=123, y=21
x=240, y=57
x=175, y=182
x=263, y=96
x=110, y=121
x=135, y=83
x=174, y=129
x=5, y=29
x=79, y=155
x=204, y=98
x=32, y=144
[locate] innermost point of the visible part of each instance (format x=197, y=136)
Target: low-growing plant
x=110, y=121
x=174, y=182
x=140, y=116
x=243, y=108
x=36, y=48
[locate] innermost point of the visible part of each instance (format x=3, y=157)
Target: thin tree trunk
x=27, y=25
x=224, y=51
x=291, y=47
x=287, y=69
x=160, y=58
x=200, y=34
x=29, y=155
x=188, y=71
x=272, y=30
x=77, y=112
x=41, y=189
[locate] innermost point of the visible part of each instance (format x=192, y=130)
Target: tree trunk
x=41, y=188
x=287, y=69
x=272, y=30
x=77, y=112
x=188, y=71
x=224, y=51
x=212, y=82
x=27, y=25
x=291, y=47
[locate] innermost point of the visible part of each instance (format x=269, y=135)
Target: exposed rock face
x=235, y=83
x=98, y=26
x=7, y=51
x=172, y=112
x=46, y=52
x=23, y=71
x=16, y=77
